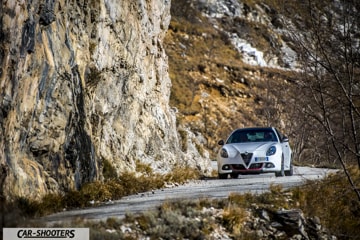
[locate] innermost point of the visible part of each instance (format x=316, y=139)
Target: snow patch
x=251, y=55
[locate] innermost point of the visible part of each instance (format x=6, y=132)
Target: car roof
x=255, y=128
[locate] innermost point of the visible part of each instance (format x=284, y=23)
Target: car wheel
x=223, y=175
x=282, y=172
x=234, y=175
x=290, y=172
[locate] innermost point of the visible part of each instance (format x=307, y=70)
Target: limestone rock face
x=83, y=82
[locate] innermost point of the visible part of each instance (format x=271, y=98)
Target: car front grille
x=246, y=157
x=256, y=166
x=238, y=167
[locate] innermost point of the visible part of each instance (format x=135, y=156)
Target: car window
x=238, y=137
x=253, y=135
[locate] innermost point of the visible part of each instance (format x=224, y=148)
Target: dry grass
x=177, y=220
x=205, y=48
x=94, y=193
x=334, y=202
x=234, y=217
x=331, y=199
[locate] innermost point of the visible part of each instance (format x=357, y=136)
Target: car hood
x=250, y=147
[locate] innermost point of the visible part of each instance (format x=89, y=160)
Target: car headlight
x=224, y=153
x=271, y=151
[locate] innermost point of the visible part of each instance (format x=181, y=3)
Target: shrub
x=97, y=192
x=109, y=172
x=182, y=174
x=50, y=203
x=27, y=207
x=334, y=202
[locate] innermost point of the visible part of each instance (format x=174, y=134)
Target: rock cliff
x=83, y=82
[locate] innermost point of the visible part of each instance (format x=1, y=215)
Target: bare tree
x=331, y=76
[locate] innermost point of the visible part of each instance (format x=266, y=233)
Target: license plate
x=261, y=159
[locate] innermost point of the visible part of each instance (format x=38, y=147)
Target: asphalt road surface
x=210, y=188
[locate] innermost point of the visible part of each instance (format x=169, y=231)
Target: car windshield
x=252, y=135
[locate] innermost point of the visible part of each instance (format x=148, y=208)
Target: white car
x=254, y=150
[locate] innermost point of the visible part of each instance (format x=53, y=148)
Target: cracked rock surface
x=83, y=82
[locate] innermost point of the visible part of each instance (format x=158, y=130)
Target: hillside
x=225, y=72
x=247, y=63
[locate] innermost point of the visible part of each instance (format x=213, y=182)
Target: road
x=210, y=188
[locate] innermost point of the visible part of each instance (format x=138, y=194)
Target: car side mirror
x=221, y=142
x=285, y=139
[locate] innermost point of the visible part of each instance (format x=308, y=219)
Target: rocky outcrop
x=186, y=222
x=285, y=224
x=83, y=82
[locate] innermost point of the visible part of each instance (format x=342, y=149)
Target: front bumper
x=253, y=165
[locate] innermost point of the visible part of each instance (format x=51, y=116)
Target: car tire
x=282, y=172
x=234, y=175
x=223, y=175
x=290, y=172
